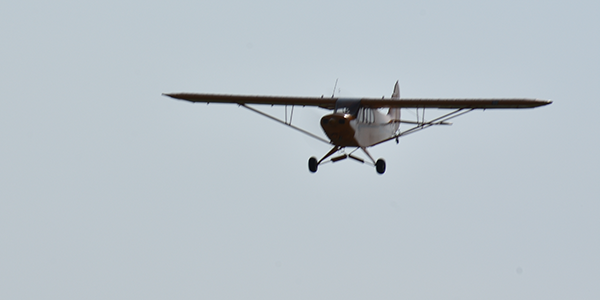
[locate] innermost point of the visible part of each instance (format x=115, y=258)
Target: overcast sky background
x=109, y=190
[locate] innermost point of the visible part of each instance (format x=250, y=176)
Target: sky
x=109, y=190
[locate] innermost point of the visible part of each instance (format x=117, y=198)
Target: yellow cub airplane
x=360, y=123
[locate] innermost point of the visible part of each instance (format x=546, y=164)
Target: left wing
x=454, y=103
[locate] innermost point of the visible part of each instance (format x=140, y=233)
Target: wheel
x=312, y=164
x=380, y=166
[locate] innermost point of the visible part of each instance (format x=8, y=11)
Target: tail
x=394, y=113
x=396, y=94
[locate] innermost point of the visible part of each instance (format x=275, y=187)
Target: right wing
x=328, y=103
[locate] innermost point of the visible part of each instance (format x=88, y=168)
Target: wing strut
x=286, y=123
x=423, y=125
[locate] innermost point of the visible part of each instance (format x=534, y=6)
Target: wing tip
x=543, y=102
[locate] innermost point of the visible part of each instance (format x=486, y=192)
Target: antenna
x=333, y=94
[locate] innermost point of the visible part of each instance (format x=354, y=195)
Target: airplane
x=360, y=123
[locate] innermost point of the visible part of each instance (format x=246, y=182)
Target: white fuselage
x=372, y=126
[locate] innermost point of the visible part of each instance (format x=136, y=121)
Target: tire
x=312, y=164
x=380, y=166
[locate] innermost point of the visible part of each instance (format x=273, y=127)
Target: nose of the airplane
x=338, y=129
x=333, y=120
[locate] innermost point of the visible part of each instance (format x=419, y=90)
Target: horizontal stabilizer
x=419, y=123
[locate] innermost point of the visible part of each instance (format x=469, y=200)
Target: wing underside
x=329, y=103
x=454, y=103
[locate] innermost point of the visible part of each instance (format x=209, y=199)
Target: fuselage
x=359, y=128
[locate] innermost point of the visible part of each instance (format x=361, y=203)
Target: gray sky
x=109, y=190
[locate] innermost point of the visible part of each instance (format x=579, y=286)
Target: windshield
x=347, y=106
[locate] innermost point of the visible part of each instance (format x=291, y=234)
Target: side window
x=366, y=116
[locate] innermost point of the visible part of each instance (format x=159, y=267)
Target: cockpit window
x=347, y=106
x=342, y=110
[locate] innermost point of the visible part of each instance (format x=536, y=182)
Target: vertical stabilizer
x=396, y=94
x=394, y=113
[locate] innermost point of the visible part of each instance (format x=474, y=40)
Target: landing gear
x=312, y=164
x=380, y=166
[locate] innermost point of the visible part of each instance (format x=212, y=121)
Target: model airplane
x=360, y=123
